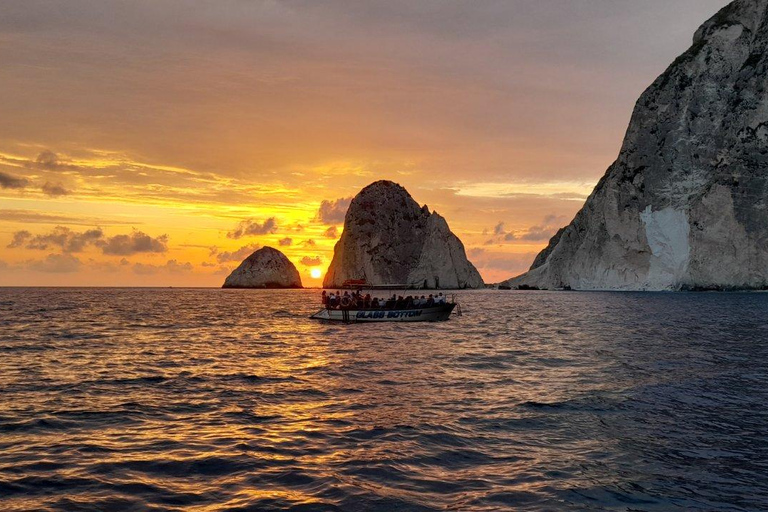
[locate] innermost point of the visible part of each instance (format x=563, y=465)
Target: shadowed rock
x=265, y=268
x=389, y=239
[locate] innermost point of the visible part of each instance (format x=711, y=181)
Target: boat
x=437, y=313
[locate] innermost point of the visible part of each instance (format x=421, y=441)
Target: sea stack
x=389, y=239
x=265, y=268
x=685, y=205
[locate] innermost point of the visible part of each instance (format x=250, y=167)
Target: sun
x=315, y=273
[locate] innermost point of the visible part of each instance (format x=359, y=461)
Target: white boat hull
x=433, y=314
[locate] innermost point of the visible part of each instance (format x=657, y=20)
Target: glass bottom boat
x=437, y=313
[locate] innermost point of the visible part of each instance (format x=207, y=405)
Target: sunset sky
x=159, y=142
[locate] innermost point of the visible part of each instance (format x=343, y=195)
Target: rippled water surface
x=232, y=399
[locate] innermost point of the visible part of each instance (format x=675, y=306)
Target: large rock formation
x=389, y=239
x=685, y=205
x=265, y=268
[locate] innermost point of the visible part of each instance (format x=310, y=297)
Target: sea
x=207, y=399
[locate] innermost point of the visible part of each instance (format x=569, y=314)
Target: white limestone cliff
x=265, y=268
x=685, y=205
x=389, y=239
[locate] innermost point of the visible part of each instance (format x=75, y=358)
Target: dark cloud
x=311, y=262
x=33, y=217
x=332, y=232
x=48, y=160
x=538, y=233
x=19, y=239
x=333, y=212
x=136, y=242
x=284, y=242
x=238, y=255
x=309, y=243
x=545, y=230
x=251, y=227
x=8, y=181
x=56, y=264
x=54, y=189
x=61, y=237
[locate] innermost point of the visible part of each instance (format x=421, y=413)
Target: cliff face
x=265, y=268
x=685, y=205
x=389, y=239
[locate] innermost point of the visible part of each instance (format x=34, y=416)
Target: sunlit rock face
x=389, y=239
x=265, y=268
x=685, y=205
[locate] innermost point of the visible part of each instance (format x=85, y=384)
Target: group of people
x=356, y=300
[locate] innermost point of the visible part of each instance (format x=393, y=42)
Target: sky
x=160, y=142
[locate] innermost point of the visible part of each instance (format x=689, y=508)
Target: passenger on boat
x=430, y=301
x=324, y=299
x=440, y=299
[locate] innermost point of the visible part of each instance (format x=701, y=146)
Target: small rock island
x=265, y=268
x=389, y=239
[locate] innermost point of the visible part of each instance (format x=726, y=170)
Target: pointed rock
x=265, y=268
x=389, y=239
x=685, y=205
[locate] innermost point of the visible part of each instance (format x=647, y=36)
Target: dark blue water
x=234, y=400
